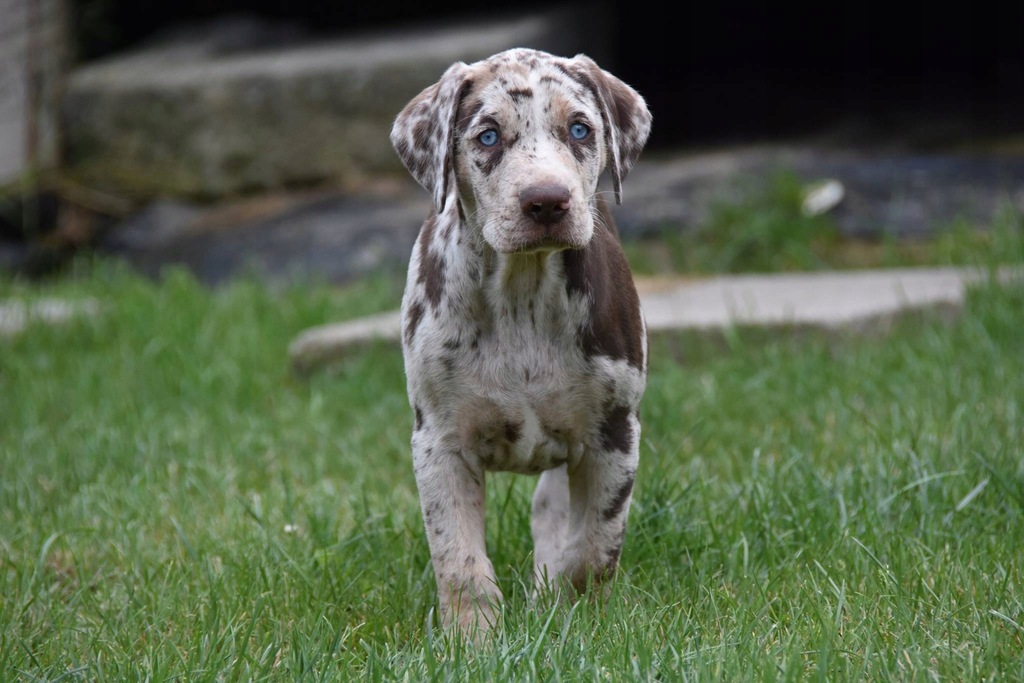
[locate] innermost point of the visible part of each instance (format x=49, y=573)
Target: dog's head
x=520, y=140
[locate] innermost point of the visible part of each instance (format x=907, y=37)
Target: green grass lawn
x=175, y=506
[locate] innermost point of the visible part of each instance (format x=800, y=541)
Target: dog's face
x=520, y=140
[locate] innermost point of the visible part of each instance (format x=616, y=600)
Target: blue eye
x=579, y=131
x=489, y=138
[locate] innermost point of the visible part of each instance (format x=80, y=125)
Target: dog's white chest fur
x=511, y=381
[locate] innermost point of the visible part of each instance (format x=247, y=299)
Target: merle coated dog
x=524, y=344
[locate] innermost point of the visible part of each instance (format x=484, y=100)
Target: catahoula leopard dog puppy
x=525, y=348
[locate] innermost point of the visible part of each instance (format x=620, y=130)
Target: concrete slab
x=823, y=299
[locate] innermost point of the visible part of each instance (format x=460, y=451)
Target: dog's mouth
x=543, y=245
x=532, y=238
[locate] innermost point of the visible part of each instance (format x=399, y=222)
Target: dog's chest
x=525, y=404
x=518, y=394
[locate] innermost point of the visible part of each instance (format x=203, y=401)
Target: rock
x=157, y=224
x=821, y=197
x=297, y=236
x=903, y=195
x=341, y=235
x=327, y=344
x=199, y=119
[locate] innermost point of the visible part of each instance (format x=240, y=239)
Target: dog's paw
x=472, y=611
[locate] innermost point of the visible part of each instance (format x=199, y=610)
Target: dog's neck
x=497, y=284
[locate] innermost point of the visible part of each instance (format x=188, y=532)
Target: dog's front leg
x=451, y=492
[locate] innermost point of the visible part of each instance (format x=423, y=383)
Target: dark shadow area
x=715, y=72
x=722, y=73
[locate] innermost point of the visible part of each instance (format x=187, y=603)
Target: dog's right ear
x=423, y=134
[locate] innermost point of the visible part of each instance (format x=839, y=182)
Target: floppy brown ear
x=626, y=117
x=423, y=134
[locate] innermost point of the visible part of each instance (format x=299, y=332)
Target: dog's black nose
x=545, y=204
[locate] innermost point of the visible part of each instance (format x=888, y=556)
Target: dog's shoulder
x=601, y=273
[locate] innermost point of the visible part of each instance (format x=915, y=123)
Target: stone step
x=832, y=299
x=196, y=118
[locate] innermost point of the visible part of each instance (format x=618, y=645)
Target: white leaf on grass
x=966, y=500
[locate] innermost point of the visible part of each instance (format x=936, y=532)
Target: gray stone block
x=190, y=120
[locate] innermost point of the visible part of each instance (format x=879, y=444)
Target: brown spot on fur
x=612, y=562
x=548, y=78
x=418, y=422
x=513, y=430
x=427, y=234
x=613, y=559
x=599, y=271
x=422, y=132
x=479, y=420
x=431, y=265
x=492, y=158
x=518, y=94
x=448, y=362
x=621, y=497
x=578, y=79
x=467, y=112
x=615, y=430
x=412, y=321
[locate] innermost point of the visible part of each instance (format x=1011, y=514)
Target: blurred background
x=251, y=136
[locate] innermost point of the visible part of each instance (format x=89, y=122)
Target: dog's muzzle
x=547, y=206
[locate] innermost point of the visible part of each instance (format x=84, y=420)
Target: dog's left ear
x=423, y=134
x=626, y=117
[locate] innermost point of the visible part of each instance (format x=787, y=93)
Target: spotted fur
x=525, y=348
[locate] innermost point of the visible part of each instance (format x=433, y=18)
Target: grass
x=175, y=506
x=763, y=229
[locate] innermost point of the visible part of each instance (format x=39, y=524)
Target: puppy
x=525, y=348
